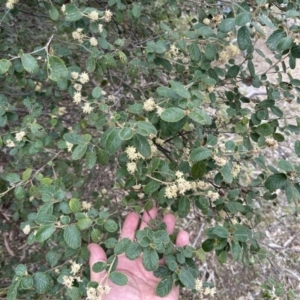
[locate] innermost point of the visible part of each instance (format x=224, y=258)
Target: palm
x=141, y=283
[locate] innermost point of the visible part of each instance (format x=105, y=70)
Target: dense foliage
x=153, y=89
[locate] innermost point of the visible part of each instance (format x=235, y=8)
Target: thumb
x=96, y=254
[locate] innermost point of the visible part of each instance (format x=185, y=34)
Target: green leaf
x=221, y=232
x=13, y=288
x=121, y=246
x=243, y=38
x=99, y=266
x=21, y=270
x=52, y=258
x=227, y=25
x=126, y=133
x=73, y=138
x=12, y=177
x=151, y=187
x=72, y=13
x=195, y=53
x=57, y=68
x=173, y=114
x=84, y=223
x=186, y=278
x=44, y=232
x=136, y=10
x=147, y=127
x=29, y=63
x=72, y=237
x=90, y=160
x=97, y=92
x=4, y=66
x=79, y=151
x=208, y=245
x=75, y=205
x=180, y=90
x=90, y=64
x=236, y=251
x=160, y=47
x=286, y=166
x=226, y=172
x=26, y=174
x=243, y=18
x=274, y=39
x=43, y=282
x=264, y=129
x=285, y=43
x=150, y=259
x=53, y=13
x=275, y=181
x=200, y=116
x=183, y=207
x=210, y=51
x=198, y=169
x=233, y=71
x=292, y=194
x=222, y=257
x=297, y=147
x=118, y=278
x=241, y=233
x=292, y=13
x=295, y=51
x=164, y=287
x=200, y=153
x=133, y=251
x=111, y=225
x=110, y=140
x=142, y=145
x=26, y=282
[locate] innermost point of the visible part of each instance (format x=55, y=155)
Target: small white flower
x=75, y=267
x=20, y=135
x=86, y=205
x=93, y=41
x=149, y=104
x=131, y=167
x=10, y=144
x=94, y=16
x=74, y=75
x=84, y=77
x=26, y=229
x=87, y=108
x=77, y=97
x=107, y=15
x=69, y=146
x=100, y=28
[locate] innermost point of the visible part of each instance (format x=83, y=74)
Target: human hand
x=141, y=283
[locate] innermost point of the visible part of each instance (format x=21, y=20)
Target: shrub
x=156, y=90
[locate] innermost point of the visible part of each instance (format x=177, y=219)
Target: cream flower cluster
x=10, y=4
x=26, y=229
x=229, y=52
x=204, y=291
x=80, y=37
x=75, y=267
x=220, y=161
x=68, y=280
x=150, y=105
x=83, y=78
x=85, y=205
x=96, y=294
x=271, y=143
x=20, y=135
x=181, y=185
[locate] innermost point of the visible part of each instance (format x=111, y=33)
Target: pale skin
x=141, y=283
